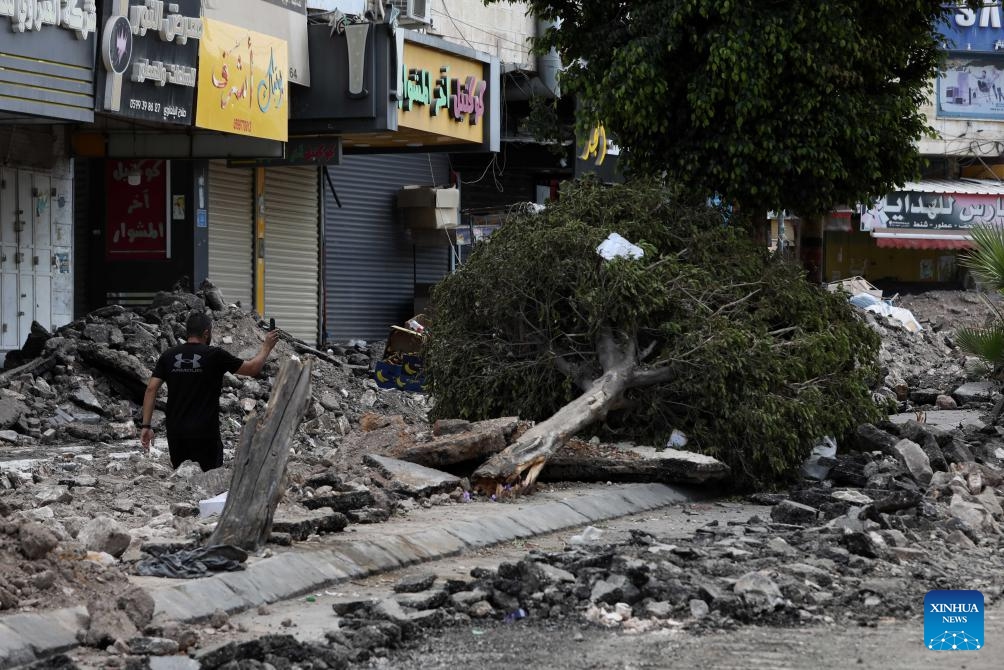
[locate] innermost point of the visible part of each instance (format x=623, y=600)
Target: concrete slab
x=338, y=563
x=435, y=542
x=404, y=552
x=600, y=506
x=14, y=649
x=369, y=556
x=170, y=604
x=213, y=594
x=946, y=418
x=252, y=589
x=553, y=516
x=44, y=632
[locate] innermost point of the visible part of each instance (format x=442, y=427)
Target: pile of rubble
x=888, y=523
x=918, y=367
x=87, y=380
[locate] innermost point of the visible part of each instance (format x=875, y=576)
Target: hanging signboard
x=317, y=151
x=934, y=211
x=966, y=29
x=47, y=58
x=148, y=57
x=137, y=210
x=972, y=86
x=284, y=19
x=242, y=85
x=442, y=93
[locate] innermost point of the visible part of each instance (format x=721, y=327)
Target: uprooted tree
x=706, y=333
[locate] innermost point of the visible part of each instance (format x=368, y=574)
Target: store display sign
x=966, y=29
x=242, y=83
x=284, y=19
x=933, y=211
x=47, y=58
x=148, y=60
x=971, y=86
x=442, y=93
x=317, y=151
x=137, y=210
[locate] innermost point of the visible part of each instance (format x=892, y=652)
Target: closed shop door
x=35, y=253
x=371, y=267
x=292, y=278
x=231, y=232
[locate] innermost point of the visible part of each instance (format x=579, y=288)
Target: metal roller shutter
x=370, y=265
x=291, y=250
x=231, y=232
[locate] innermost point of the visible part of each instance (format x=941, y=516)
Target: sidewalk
x=424, y=536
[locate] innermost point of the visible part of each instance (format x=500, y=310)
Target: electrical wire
x=454, y=22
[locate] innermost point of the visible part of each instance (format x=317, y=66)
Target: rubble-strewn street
x=899, y=504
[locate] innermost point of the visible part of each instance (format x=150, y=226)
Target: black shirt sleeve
x=227, y=361
x=160, y=371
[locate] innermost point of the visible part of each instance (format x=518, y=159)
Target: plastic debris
x=677, y=439
x=588, y=535
x=311, y=599
x=515, y=615
x=870, y=303
x=825, y=448
x=616, y=246
x=191, y=563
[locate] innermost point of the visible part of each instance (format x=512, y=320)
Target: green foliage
x=987, y=263
x=763, y=362
x=799, y=104
x=987, y=259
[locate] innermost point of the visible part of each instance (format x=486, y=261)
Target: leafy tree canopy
x=712, y=335
x=800, y=104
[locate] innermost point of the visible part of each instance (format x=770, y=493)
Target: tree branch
x=652, y=376
x=573, y=372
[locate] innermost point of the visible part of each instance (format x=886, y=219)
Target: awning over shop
x=934, y=214
x=906, y=238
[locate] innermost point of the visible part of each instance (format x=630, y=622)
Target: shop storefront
x=400, y=102
x=916, y=234
x=37, y=265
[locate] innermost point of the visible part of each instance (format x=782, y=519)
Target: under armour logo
x=181, y=363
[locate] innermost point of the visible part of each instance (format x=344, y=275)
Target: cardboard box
x=430, y=218
x=428, y=197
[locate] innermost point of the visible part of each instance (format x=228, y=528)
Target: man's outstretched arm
x=252, y=367
x=149, y=399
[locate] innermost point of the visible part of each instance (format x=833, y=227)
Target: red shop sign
x=137, y=216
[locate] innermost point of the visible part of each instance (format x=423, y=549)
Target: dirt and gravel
x=883, y=524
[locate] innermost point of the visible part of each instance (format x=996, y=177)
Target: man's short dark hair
x=197, y=324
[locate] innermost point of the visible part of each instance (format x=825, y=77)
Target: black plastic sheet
x=193, y=563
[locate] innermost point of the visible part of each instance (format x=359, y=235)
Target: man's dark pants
x=206, y=451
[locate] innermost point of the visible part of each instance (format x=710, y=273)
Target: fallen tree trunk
x=260, y=461
x=584, y=463
x=481, y=440
x=516, y=468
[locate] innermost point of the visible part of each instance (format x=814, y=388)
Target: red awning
x=908, y=243
x=911, y=238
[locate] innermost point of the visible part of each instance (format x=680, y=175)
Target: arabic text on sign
x=81, y=16
x=465, y=100
x=172, y=27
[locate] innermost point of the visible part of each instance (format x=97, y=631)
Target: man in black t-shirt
x=194, y=375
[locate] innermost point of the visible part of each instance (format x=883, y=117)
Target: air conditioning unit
x=414, y=12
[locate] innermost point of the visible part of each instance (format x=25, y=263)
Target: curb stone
x=27, y=637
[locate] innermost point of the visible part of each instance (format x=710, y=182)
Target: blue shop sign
x=966, y=29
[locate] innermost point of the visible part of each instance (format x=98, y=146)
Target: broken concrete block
x=975, y=392
x=913, y=458
x=412, y=479
x=104, y=534
x=36, y=540
x=793, y=513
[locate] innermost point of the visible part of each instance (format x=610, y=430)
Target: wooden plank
x=260, y=462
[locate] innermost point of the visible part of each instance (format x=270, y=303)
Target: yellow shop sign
x=242, y=82
x=442, y=94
